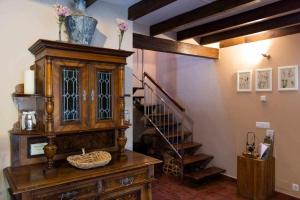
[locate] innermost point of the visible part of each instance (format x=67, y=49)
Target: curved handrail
x=164, y=92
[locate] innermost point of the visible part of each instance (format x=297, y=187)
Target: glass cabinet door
x=103, y=95
x=70, y=95
x=70, y=83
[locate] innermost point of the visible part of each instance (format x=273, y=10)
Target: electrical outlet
x=295, y=187
x=263, y=125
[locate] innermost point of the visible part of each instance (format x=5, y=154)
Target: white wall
x=22, y=22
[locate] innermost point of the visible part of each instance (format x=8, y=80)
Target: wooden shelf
x=26, y=95
x=27, y=133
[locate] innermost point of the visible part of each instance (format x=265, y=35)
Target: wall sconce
x=268, y=56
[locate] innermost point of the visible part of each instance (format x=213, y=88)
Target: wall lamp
x=268, y=56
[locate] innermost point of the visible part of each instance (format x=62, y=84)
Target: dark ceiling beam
x=196, y=14
x=90, y=2
x=145, y=7
x=261, y=36
x=274, y=23
x=169, y=46
x=263, y=12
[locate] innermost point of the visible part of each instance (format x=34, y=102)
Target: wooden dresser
x=127, y=177
x=79, y=102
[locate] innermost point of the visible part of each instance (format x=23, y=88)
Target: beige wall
x=22, y=22
x=222, y=116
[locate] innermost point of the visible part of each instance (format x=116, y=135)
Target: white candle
x=29, y=82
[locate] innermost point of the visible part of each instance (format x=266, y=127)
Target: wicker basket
x=90, y=160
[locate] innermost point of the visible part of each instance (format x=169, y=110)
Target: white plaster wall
x=22, y=22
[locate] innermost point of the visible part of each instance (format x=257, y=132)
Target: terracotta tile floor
x=220, y=189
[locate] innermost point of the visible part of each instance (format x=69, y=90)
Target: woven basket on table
x=90, y=160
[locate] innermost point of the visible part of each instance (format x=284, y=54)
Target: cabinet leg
x=121, y=140
x=50, y=151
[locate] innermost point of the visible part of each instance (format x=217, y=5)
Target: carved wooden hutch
x=79, y=103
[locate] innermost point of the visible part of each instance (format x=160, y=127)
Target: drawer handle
x=84, y=95
x=126, y=181
x=68, y=195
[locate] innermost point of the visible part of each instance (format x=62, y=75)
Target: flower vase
x=59, y=31
x=120, y=39
x=79, y=26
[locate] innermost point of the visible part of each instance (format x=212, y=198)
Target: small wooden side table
x=255, y=177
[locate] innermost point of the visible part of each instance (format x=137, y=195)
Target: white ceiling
x=126, y=3
x=181, y=6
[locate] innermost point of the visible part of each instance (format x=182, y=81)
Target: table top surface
x=32, y=177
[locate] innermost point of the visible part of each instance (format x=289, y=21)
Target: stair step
x=204, y=173
x=190, y=159
x=160, y=115
x=188, y=145
x=177, y=134
x=171, y=124
x=134, y=89
x=138, y=97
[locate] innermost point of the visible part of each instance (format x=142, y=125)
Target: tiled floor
x=220, y=189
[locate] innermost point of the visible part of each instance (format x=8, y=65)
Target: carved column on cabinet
x=121, y=135
x=50, y=149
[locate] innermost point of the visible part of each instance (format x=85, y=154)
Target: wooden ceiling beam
x=274, y=23
x=196, y=14
x=145, y=7
x=261, y=36
x=263, y=12
x=90, y=2
x=169, y=46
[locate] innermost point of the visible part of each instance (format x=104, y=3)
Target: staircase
x=166, y=119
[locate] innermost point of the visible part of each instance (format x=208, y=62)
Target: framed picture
x=288, y=78
x=244, y=81
x=263, y=81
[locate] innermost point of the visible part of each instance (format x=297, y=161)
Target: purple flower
x=123, y=26
x=62, y=11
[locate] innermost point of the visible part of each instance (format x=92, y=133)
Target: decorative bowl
x=90, y=160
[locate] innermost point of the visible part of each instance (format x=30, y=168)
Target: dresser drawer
x=125, y=179
x=82, y=190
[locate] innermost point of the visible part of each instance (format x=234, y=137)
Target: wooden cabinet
x=255, y=177
x=85, y=95
x=80, y=104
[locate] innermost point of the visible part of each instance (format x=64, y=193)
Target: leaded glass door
x=70, y=95
x=103, y=99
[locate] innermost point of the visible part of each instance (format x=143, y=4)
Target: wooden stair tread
x=168, y=124
x=138, y=88
x=188, y=145
x=134, y=89
x=159, y=114
x=170, y=135
x=189, y=159
x=204, y=173
x=138, y=97
x=175, y=134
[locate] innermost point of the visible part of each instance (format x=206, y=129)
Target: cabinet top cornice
x=42, y=44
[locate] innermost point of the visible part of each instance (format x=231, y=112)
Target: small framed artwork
x=244, y=81
x=288, y=78
x=263, y=81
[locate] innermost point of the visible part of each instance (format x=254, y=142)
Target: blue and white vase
x=80, y=28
